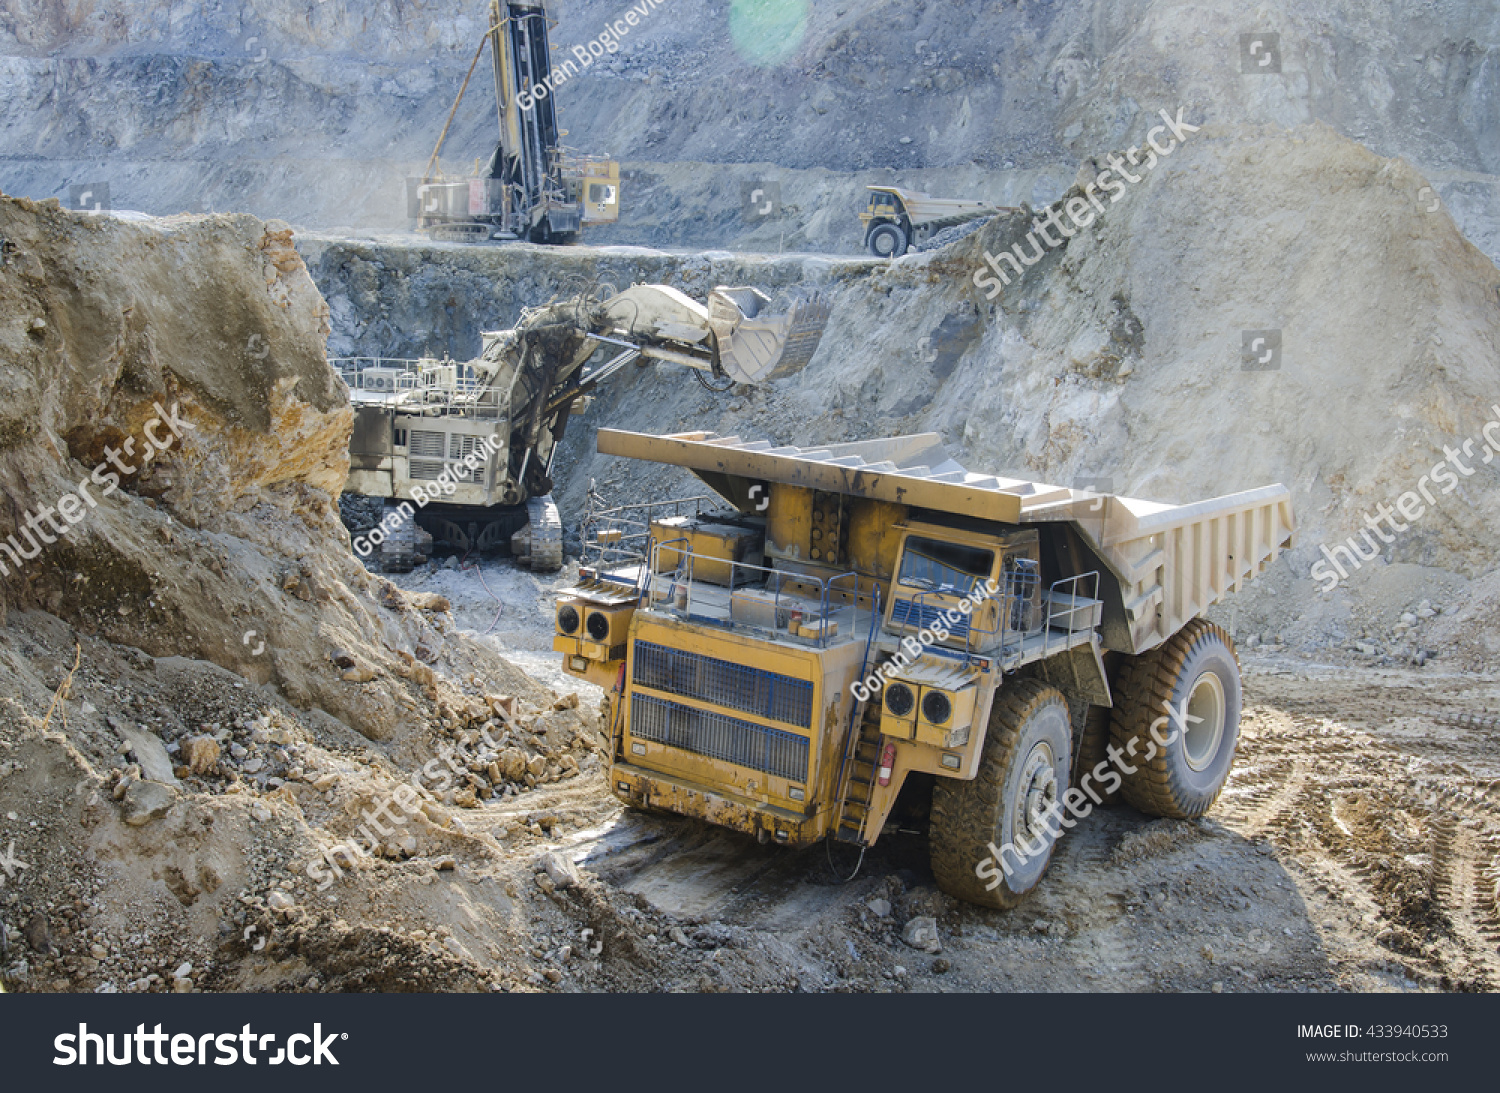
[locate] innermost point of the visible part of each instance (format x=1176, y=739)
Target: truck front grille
x=753, y=690
x=717, y=736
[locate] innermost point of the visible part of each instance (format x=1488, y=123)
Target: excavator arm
x=542, y=362
x=731, y=335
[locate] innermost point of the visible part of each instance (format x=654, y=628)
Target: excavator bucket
x=754, y=346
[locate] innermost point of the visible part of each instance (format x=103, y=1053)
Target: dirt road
x=1353, y=849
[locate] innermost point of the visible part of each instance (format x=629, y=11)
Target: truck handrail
x=1003, y=598
x=632, y=527
x=687, y=561
x=648, y=569
x=1012, y=597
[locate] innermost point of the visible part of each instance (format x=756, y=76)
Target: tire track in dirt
x=1261, y=794
x=1410, y=849
x=1456, y=880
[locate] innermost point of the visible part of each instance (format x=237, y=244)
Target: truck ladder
x=860, y=772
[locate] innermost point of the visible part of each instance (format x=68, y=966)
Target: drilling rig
x=530, y=189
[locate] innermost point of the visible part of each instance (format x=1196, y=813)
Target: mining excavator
x=463, y=451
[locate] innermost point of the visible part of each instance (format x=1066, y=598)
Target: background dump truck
x=895, y=219
x=870, y=616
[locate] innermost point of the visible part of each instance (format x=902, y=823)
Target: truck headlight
x=598, y=626
x=937, y=707
x=567, y=619
x=899, y=699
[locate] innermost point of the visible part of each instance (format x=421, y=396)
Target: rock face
x=167, y=400
x=179, y=393
x=177, y=735
x=276, y=108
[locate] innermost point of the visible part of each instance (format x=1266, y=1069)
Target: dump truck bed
x=1170, y=562
x=924, y=208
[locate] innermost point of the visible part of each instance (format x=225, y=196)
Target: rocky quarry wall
x=202, y=691
x=1118, y=356
x=316, y=113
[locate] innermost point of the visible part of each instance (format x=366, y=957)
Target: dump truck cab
x=860, y=616
x=887, y=226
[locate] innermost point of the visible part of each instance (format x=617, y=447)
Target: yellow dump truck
x=894, y=218
x=866, y=618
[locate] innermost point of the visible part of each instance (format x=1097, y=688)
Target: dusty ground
x=1352, y=850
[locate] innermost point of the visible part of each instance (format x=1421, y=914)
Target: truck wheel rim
x=1037, y=797
x=1205, y=721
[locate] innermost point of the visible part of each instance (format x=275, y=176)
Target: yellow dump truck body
x=921, y=208
x=739, y=675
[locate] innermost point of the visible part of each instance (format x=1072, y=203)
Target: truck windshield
x=937, y=566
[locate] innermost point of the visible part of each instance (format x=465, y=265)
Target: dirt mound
x=195, y=664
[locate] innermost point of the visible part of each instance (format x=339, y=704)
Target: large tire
x=1090, y=751
x=1023, y=771
x=1094, y=736
x=1196, y=666
x=887, y=241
